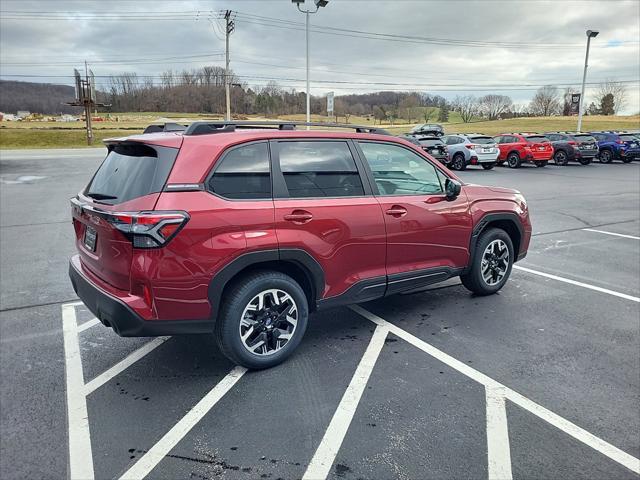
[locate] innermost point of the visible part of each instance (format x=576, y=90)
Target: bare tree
x=466, y=106
x=428, y=112
x=546, y=101
x=492, y=106
x=617, y=89
x=408, y=106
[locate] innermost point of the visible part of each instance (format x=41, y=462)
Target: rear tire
x=513, y=160
x=286, y=316
x=493, y=241
x=458, y=162
x=585, y=161
x=488, y=166
x=561, y=158
x=541, y=164
x=627, y=159
x=606, y=156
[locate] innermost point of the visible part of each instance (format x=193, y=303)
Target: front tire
x=560, y=158
x=458, y=162
x=513, y=160
x=585, y=161
x=627, y=159
x=492, y=263
x=606, y=156
x=541, y=164
x=262, y=321
x=488, y=166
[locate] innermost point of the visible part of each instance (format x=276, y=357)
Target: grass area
x=70, y=135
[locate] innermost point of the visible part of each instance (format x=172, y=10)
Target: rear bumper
x=115, y=314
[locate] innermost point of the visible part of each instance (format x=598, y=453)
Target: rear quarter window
x=130, y=171
x=243, y=173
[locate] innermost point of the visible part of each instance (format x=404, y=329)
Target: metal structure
x=590, y=34
x=85, y=90
x=307, y=12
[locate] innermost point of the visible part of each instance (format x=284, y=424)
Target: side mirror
x=452, y=189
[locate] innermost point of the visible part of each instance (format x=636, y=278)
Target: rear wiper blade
x=100, y=196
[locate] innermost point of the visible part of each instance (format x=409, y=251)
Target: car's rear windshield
x=482, y=140
x=536, y=138
x=628, y=137
x=131, y=171
x=584, y=138
x=430, y=142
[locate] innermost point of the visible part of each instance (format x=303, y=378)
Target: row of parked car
x=460, y=150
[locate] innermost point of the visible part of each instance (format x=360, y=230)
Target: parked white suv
x=471, y=149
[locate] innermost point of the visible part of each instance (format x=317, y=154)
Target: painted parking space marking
x=611, y=233
x=329, y=447
x=123, y=364
x=500, y=390
x=161, y=449
x=87, y=325
x=578, y=284
x=498, y=451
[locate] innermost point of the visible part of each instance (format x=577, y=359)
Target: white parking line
x=87, y=325
x=149, y=460
x=579, y=284
x=612, y=452
x=326, y=452
x=80, y=455
x=611, y=233
x=123, y=364
x=498, y=450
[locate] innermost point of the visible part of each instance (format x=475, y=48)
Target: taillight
x=149, y=229
x=571, y=142
x=619, y=141
x=471, y=146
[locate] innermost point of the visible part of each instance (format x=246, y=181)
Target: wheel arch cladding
x=297, y=264
x=509, y=222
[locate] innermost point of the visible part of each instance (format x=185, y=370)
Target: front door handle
x=299, y=216
x=397, y=211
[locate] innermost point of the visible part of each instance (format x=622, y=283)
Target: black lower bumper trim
x=124, y=321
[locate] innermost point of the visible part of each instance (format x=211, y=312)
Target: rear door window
x=319, y=169
x=130, y=171
x=244, y=173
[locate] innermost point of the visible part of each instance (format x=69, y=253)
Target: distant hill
x=36, y=97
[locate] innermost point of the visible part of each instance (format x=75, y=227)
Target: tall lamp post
x=307, y=12
x=590, y=34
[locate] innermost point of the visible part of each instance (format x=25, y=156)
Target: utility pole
x=86, y=97
x=590, y=34
x=227, y=80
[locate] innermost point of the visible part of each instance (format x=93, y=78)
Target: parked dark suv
x=242, y=229
x=571, y=146
x=617, y=146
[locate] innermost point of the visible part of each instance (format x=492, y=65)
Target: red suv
x=516, y=148
x=242, y=229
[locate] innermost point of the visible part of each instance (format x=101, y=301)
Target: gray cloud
x=265, y=51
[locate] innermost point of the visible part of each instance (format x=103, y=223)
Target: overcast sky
x=508, y=47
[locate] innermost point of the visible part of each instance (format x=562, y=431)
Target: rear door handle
x=299, y=216
x=397, y=211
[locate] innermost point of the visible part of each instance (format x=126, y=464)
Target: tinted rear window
x=131, y=171
x=482, y=140
x=536, y=138
x=584, y=138
x=430, y=142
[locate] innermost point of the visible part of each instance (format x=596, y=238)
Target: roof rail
x=205, y=127
x=165, y=127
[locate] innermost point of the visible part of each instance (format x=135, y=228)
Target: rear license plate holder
x=90, y=237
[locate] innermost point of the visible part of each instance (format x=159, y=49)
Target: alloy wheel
x=495, y=262
x=268, y=322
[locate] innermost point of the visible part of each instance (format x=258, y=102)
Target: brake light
x=471, y=146
x=149, y=229
x=619, y=142
x=571, y=142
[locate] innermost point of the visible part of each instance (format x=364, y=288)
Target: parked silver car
x=471, y=149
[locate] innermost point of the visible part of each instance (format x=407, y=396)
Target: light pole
x=590, y=34
x=307, y=12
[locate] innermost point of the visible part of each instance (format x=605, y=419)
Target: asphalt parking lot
x=539, y=381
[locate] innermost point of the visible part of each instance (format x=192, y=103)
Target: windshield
x=131, y=171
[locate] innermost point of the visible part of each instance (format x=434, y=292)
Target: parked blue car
x=617, y=146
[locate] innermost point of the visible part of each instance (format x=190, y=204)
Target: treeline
x=36, y=97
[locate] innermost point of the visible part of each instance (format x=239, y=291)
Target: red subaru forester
x=242, y=229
